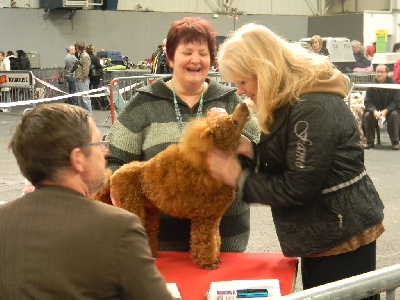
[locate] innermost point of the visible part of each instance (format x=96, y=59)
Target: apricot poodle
x=176, y=182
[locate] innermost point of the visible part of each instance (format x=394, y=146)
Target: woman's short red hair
x=189, y=30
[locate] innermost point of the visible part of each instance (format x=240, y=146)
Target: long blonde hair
x=283, y=70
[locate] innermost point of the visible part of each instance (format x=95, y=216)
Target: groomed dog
x=176, y=182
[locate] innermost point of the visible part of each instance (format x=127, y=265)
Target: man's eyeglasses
x=381, y=72
x=103, y=145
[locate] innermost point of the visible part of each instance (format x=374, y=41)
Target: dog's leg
x=126, y=191
x=205, y=242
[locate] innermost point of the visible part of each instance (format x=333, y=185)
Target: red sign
x=3, y=79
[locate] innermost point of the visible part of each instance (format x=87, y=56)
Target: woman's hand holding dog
x=245, y=147
x=224, y=167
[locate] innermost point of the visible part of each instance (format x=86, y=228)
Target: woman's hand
x=216, y=111
x=245, y=147
x=224, y=167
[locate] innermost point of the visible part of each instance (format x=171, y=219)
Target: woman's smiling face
x=191, y=62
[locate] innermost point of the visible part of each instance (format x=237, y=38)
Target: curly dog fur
x=176, y=182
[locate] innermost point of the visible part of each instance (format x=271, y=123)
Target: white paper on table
x=272, y=285
x=173, y=290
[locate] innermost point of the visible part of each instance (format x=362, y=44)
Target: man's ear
x=77, y=159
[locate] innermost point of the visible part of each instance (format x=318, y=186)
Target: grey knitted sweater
x=148, y=125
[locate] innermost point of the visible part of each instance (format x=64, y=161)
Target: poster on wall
x=381, y=40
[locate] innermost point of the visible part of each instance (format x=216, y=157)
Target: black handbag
x=93, y=71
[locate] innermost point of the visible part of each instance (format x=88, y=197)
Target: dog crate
x=340, y=52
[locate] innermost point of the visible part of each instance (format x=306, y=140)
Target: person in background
x=155, y=116
x=4, y=92
x=318, y=46
x=309, y=164
x=6, y=60
x=382, y=104
x=96, y=69
x=361, y=60
x=159, y=49
x=2, y=64
x=67, y=246
x=13, y=60
x=396, y=66
x=70, y=61
x=82, y=75
x=160, y=62
x=370, y=51
x=24, y=62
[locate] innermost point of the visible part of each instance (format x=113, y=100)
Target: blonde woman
x=308, y=165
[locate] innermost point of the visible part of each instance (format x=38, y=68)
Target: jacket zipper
x=340, y=217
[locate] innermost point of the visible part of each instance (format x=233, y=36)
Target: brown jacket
x=57, y=244
x=82, y=72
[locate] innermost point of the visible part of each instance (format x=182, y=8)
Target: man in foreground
x=56, y=243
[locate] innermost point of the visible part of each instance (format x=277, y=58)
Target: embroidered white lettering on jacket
x=300, y=129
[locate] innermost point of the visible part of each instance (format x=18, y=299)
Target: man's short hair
x=69, y=48
x=43, y=140
x=80, y=46
x=355, y=43
x=382, y=65
x=396, y=47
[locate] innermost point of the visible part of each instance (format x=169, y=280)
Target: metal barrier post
x=111, y=87
x=356, y=287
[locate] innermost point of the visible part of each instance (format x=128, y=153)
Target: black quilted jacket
x=311, y=172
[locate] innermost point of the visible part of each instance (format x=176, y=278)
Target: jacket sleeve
x=394, y=98
x=311, y=138
x=137, y=273
x=85, y=62
x=368, y=101
x=362, y=62
x=97, y=63
x=396, y=71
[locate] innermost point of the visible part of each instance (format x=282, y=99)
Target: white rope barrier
x=378, y=85
x=45, y=83
x=40, y=100
x=66, y=95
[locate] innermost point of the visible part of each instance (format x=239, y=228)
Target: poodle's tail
x=103, y=195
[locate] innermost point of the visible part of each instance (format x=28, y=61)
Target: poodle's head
x=221, y=131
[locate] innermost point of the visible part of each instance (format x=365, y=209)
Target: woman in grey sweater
x=156, y=115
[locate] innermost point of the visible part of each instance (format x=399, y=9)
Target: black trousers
x=393, y=126
x=321, y=270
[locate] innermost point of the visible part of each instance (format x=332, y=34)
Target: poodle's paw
x=213, y=266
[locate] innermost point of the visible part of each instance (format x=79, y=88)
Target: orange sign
x=3, y=79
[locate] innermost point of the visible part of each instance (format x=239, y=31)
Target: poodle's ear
x=203, y=141
x=206, y=133
x=197, y=136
